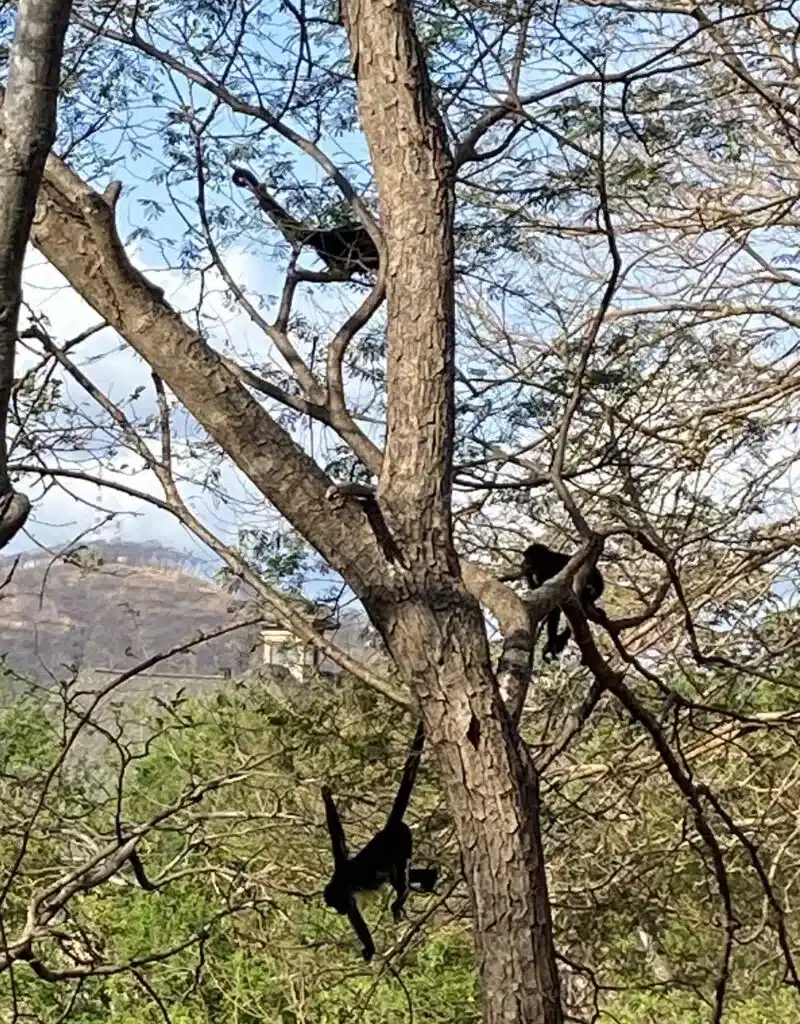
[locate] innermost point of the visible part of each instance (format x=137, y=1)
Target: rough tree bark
x=27, y=131
x=432, y=626
x=430, y=621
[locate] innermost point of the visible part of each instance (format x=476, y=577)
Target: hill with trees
x=112, y=606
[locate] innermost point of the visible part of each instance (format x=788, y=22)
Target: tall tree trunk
x=28, y=127
x=432, y=626
x=493, y=792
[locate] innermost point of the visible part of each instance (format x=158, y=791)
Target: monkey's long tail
x=409, y=775
x=293, y=230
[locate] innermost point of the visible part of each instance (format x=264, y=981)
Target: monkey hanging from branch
x=346, y=250
x=385, y=858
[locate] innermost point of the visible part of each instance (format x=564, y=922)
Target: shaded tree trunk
x=493, y=792
x=27, y=132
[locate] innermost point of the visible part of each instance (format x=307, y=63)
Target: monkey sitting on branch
x=539, y=564
x=346, y=250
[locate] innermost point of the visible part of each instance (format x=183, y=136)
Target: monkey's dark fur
x=347, y=249
x=540, y=563
x=385, y=858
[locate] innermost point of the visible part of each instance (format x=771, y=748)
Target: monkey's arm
x=407, y=781
x=293, y=230
x=243, y=178
x=360, y=928
x=335, y=830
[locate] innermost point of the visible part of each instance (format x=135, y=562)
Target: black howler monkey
x=540, y=563
x=385, y=858
x=347, y=249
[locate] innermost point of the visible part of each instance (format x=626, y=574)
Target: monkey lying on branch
x=385, y=858
x=346, y=250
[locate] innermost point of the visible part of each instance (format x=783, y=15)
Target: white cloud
x=70, y=507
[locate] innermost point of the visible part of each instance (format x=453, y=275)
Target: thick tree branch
x=293, y=614
x=75, y=230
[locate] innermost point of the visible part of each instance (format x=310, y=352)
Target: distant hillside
x=113, y=609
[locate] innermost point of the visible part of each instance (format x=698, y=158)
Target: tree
x=430, y=623
x=27, y=132
x=615, y=396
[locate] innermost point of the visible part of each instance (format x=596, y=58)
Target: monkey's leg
x=423, y=878
x=399, y=878
x=562, y=640
x=551, y=648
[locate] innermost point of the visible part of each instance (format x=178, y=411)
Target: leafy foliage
x=238, y=928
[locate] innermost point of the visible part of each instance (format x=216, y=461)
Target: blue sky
x=116, y=369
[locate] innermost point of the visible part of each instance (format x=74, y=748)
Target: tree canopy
x=582, y=332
